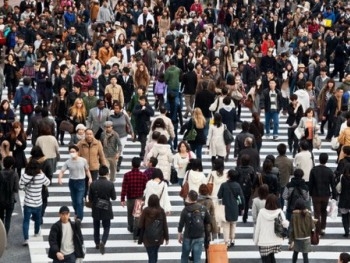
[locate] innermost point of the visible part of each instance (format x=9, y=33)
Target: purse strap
x=161, y=194
x=212, y=178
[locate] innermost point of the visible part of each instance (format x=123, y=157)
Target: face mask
x=73, y=155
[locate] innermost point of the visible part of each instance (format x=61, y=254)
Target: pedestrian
x=195, y=175
x=259, y=201
x=264, y=236
x=8, y=188
x=344, y=199
x=100, y=194
x=233, y=199
x=308, y=127
x=344, y=258
x=215, y=140
x=304, y=159
x=153, y=227
x=270, y=178
x=194, y=219
x=32, y=182
x=181, y=159
x=112, y=147
x=78, y=170
x=65, y=239
x=301, y=225
x=133, y=186
x=295, y=114
x=321, y=187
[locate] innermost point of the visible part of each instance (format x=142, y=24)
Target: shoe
x=62, y=143
x=97, y=246
x=275, y=138
x=244, y=220
x=25, y=243
x=37, y=234
x=346, y=235
x=267, y=136
x=228, y=244
x=232, y=244
x=323, y=232
x=327, y=140
x=102, y=248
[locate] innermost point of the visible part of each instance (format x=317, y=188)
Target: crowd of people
x=92, y=66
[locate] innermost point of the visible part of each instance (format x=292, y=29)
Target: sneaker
x=37, y=234
x=102, y=248
x=25, y=243
x=275, y=138
x=267, y=136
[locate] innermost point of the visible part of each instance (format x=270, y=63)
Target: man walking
x=65, y=239
x=194, y=218
x=188, y=87
x=26, y=98
x=101, y=191
x=97, y=117
x=134, y=183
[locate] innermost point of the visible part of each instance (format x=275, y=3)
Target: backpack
x=6, y=187
x=26, y=105
x=154, y=232
x=294, y=196
x=245, y=178
x=196, y=223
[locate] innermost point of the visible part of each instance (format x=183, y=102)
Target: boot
x=120, y=159
x=345, y=221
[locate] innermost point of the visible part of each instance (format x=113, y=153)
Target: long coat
x=102, y=188
x=344, y=198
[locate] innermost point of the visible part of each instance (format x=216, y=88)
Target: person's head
x=304, y=145
x=271, y=202
x=271, y=158
x=73, y=151
x=309, y=112
x=267, y=166
x=33, y=167
x=299, y=204
x=227, y=100
x=36, y=152
x=346, y=150
x=136, y=162
x=162, y=139
x=183, y=147
x=108, y=127
x=217, y=119
x=8, y=162
x=192, y=196
x=344, y=258
x=298, y=173
x=64, y=214
x=89, y=135
x=218, y=165
x=103, y=170
x=196, y=165
x=323, y=158
x=232, y=175
x=339, y=92
x=282, y=149
x=27, y=81
x=263, y=191
x=153, y=161
x=142, y=100
x=245, y=159
x=158, y=123
x=153, y=201
x=203, y=190
x=157, y=174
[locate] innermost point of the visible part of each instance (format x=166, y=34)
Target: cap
x=234, y=65
x=108, y=123
x=64, y=209
x=80, y=127
x=301, y=66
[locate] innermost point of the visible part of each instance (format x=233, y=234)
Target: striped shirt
x=32, y=186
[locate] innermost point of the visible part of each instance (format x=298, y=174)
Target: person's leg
x=26, y=217
x=324, y=204
x=73, y=194
x=233, y=232
x=197, y=248
x=188, y=105
x=226, y=232
x=112, y=163
x=106, y=224
x=199, y=151
x=130, y=207
x=8, y=215
x=96, y=223
x=80, y=198
x=276, y=122
x=70, y=258
x=152, y=252
x=142, y=139
x=37, y=219
x=295, y=257
x=246, y=207
x=345, y=221
x=176, y=126
x=306, y=257
x=94, y=175
x=317, y=210
x=186, y=249
x=267, y=123
x=43, y=209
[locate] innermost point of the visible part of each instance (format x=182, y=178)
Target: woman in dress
x=344, y=199
x=182, y=159
x=264, y=236
x=215, y=139
x=232, y=196
x=7, y=116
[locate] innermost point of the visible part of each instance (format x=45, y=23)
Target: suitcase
x=217, y=252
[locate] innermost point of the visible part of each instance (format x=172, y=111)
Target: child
x=159, y=91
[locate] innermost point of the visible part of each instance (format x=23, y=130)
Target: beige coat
x=93, y=154
x=116, y=92
x=344, y=140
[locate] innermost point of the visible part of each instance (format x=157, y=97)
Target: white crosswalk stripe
x=121, y=247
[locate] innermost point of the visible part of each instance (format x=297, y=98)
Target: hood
x=297, y=182
x=195, y=177
x=155, y=187
x=7, y=174
x=269, y=215
x=161, y=148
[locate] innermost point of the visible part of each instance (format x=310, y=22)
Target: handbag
x=236, y=95
x=338, y=187
x=297, y=133
x=102, y=204
x=185, y=187
x=173, y=175
x=88, y=204
x=248, y=102
x=280, y=231
x=314, y=237
x=334, y=143
x=210, y=185
x=137, y=208
x=228, y=137
x=67, y=126
x=316, y=141
x=192, y=134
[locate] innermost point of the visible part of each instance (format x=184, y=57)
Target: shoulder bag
x=280, y=231
x=228, y=137
x=210, y=184
x=192, y=134
x=185, y=187
x=138, y=207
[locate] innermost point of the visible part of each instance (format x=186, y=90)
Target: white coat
x=215, y=141
x=165, y=158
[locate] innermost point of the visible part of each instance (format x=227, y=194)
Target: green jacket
x=300, y=226
x=172, y=77
x=89, y=102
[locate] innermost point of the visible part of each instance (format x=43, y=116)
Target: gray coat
x=111, y=144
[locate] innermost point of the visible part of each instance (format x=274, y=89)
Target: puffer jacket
x=165, y=158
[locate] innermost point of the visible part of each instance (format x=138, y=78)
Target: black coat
x=200, y=138
x=321, y=181
x=294, y=117
x=254, y=157
x=344, y=198
x=142, y=118
x=203, y=101
x=55, y=238
x=128, y=87
x=331, y=107
x=189, y=83
x=103, y=81
x=229, y=192
x=18, y=151
x=265, y=101
x=102, y=188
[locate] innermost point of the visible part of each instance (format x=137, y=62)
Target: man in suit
x=97, y=117
x=104, y=80
x=127, y=84
x=275, y=28
x=331, y=112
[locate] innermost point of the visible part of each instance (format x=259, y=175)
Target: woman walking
x=344, y=199
x=215, y=139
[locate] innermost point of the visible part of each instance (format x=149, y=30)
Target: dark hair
x=293, y=97
x=344, y=257
x=162, y=139
x=193, y=195
x=157, y=173
x=195, y=164
x=188, y=148
x=45, y=130
x=73, y=146
x=271, y=158
x=271, y=202
x=267, y=166
x=245, y=126
x=263, y=191
x=346, y=149
x=217, y=120
x=323, y=158
x=36, y=152
x=300, y=205
x=8, y=162
x=155, y=135
x=298, y=173
x=227, y=100
x=219, y=166
x=190, y=66
x=136, y=162
x=153, y=161
x=304, y=145
x=245, y=159
x=158, y=123
x=308, y=110
x=33, y=167
x=38, y=109
x=153, y=201
x=103, y=170
x=282, y=149
x=203, y=189
x=232, y=175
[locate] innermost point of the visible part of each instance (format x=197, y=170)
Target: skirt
x=302, y=245
x=265, y=251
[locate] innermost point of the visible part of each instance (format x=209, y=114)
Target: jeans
x=106, y=224
x=332, y=123
x=21, y=117
x=152, y=253
x=194, y=245
x=305, y=257
x=6, y=214
x=67, y=259
x=27, y=213
x=274, y=116
x=197, y=149
x=142, y=139
x=77, y=191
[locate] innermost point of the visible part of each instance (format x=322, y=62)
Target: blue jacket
x=27, y=90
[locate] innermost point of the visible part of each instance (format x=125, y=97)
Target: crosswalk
x=121, y=247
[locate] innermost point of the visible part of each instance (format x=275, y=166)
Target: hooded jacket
x=195, y=179
x=164, y=156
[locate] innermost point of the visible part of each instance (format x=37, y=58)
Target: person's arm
x=54, y=246
x=181, y=226
x=61, y=173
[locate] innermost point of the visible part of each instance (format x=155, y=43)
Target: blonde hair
x=79, y=113
x=198, y=118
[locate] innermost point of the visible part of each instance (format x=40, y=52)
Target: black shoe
x=244, y=220
x=102, y=248
x=62, y=143
x=97, y=246
x=346, y=235
x=118, y=169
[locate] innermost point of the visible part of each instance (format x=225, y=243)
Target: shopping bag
x=332, y=210
x=217, y=252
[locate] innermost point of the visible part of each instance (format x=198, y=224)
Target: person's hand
x=117, y=156
x=59, y=256
x=60, y=180
x=90, y=180
x=123, y=203
x=168, y=213
x=179, y=238
x=323, y=118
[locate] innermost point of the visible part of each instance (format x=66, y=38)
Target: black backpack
x=196, y=223
x=154, y=232
x=6, y=186
x=26, y=104
x=245, y=181
x=294, y=196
